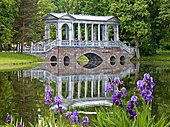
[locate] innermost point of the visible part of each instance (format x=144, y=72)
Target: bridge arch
x=93, y=57
x=66, y=60
x=65, y=31
x=112, y=60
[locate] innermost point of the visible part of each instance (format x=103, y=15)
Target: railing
x=44, y=47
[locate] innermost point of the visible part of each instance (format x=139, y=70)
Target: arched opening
x=54, y=60
x=66, y=60
x=112, y=60
x=110, y=33
x=52, y=32
x=94, y=60
x=122, y=60
x=64, y=90
x=65, y=32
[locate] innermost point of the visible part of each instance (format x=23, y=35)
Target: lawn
x=10, y=58
x=159, y=56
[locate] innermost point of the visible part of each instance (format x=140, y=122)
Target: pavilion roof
x=82, y=17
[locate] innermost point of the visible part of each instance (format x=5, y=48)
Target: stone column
x=56, y=30
x=67, y=32
x=79, y=89
x=92, y=38
x=106, y=32
x=95, y=33
x=98, y=32
x=60, y=33
x=47, y=30
x=103, y=32
x=70, y=90
x=116, y=33
x=92, y=83
x=86, y=32
x=98, y=88
x=79, y=32
x=72, y=31
x=85, y=90
x=60, y=87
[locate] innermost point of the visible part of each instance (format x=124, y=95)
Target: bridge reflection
x=80, y=87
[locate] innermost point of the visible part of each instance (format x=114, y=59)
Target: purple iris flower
x=60, y=109
x=146, y=77
x=148, y=99
x=117, y=79
x=8, y=119
x=48, y=90
x=68, y=114
x=117, y=94
x=74, y=117
x=85, y=121
x=57, y=100
x=116, y=98
x=134, y=99
x=47, y=99
x=109, y=87
x=47, y=95
x=19, y=125
x=132, y=114
x=75, y=113
x=130, y=105
x=123, y=91
x=146, y=88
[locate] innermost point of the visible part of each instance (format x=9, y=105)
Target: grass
x=83, y=60
x=4, y=68
x=159, y=56
x=16, y=61
x=10, y=58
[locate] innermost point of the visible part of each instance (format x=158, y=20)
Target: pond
x=81, y=87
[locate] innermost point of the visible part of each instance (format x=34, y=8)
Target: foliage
x=8, y=11
x=118, y=118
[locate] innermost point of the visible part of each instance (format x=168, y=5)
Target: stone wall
x=75, y=53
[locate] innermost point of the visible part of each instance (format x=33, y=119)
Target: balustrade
x=45, y=47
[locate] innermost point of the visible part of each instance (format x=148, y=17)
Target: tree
x=26, y=18
x=134, y=17
x=164, y=20
x=8, y=10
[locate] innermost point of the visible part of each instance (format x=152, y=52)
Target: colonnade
x=97, y=88
x=99, y=32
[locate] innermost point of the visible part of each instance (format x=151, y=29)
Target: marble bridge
x=78, y=89
x=96, y=37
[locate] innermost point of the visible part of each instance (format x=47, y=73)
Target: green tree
x=8, y=10
x=44, y=7
x=164, y=20
x=24, y=21
x=134, y=17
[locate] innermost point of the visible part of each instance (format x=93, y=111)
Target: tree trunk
x=0, y=47
x=137, y=67
x=22, y=47
x=137, y=48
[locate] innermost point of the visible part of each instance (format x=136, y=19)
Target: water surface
x=80, y=87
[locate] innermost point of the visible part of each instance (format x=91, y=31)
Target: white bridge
x=81, y=31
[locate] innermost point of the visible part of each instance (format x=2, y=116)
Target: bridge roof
x=81, y=17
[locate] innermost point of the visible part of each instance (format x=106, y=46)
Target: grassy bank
x=83, y=60
x=10, y=58
x=159, y=56
x=4, y=68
